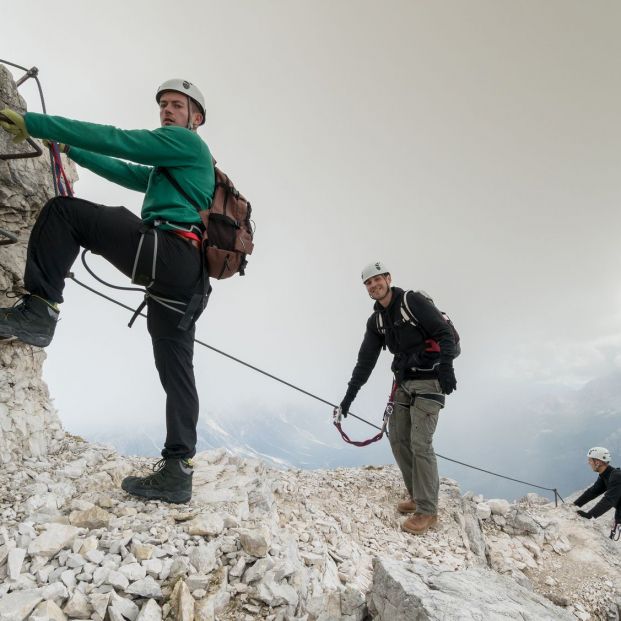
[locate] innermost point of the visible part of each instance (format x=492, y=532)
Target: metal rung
x=7, y=238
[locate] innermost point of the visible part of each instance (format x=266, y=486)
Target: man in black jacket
x=423, y=344
x=608, y=483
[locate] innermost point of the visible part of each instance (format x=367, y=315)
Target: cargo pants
x=410, y=431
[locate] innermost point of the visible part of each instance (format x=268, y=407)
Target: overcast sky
x=473, y=146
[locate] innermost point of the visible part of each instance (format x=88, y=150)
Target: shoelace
x=157, y=475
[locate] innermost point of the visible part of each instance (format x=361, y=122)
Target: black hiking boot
x=32, y=320
x=171, y=481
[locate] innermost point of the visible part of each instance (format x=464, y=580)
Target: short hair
x=194, y=108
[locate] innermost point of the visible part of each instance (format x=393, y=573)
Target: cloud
x=568, y=363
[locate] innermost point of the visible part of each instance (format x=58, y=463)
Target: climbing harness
x=615, y=533
x=387, y=413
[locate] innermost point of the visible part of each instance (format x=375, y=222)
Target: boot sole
x=418, y=532
x=38, y=340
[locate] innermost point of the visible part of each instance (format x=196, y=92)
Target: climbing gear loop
x=615, y=533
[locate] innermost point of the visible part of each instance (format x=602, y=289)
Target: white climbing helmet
x=374, y=269
x=599, y=452
x=186, y=88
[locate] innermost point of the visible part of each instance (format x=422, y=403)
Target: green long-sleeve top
x=103, y=149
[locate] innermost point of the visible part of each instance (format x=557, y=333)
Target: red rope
x=64, y=186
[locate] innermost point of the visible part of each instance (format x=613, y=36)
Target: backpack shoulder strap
x=379, y=322
x=406, y=311
x=178, y=187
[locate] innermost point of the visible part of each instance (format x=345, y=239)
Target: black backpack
x=409, y=317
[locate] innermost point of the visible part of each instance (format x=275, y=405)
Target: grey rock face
x=404, y=592
x=29, y=425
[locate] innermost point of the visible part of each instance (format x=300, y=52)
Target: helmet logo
x=186, y=84
x=378, y=266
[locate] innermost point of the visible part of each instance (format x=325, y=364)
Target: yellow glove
x=62, y=147
x=14, y=123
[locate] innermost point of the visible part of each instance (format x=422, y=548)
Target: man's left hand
x=583, y=514
x=446, y=377
x=14, y=123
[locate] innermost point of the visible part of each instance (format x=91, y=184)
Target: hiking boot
x=32, y=320
x=419, y=523
x=407, y=506
x=171, y=481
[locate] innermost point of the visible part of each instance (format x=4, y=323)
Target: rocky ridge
x=260, y=543
x=255, y=542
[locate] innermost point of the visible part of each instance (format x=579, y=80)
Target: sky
x=472, y=146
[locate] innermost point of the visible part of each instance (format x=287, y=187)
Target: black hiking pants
x=66, y=224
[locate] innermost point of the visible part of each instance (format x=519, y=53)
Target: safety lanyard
x=387, y=413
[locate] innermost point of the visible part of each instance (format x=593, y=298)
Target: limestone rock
x=206, y=525
x=255, y=542
x=55, y=538
x=499, y=506
x=147, y=587
x=78, y=606
x=95, y=517
x=47, y=611
x=16, y=606
x=150, y=612
x=182, y=602
x=14, y=562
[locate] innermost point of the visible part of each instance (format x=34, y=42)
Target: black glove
x=344, y=409
x=446, y=377
x=583, y=514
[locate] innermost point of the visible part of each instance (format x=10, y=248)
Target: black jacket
x=405, y=341
x=609, y=484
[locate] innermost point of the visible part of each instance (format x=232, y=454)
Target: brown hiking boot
x=419, y=523
x=407, y=506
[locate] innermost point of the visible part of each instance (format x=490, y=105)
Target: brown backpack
x=228, y=230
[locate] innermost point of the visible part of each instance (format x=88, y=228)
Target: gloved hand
x=583, y=514
x=62, y=147
x=446, y=377
x=15, y=125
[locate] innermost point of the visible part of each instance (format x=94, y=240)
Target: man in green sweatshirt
x=160, y=250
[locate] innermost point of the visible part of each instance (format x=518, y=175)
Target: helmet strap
x=190, y=127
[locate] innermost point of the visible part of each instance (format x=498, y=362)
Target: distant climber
x=424, y=345
x=608, y=483
x=160, y=250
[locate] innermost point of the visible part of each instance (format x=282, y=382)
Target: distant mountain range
x=541, y=440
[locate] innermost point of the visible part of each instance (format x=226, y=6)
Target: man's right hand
x=338, y=413
x=13, y=122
